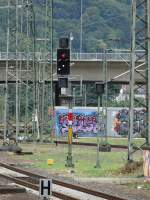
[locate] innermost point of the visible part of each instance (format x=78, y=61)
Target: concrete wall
x=88, y=70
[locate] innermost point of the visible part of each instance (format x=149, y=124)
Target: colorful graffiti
x=121, y=122
x=84, y=122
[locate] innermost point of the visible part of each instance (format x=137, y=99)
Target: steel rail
x=90, y=144
x=115, y=146
x=64, y=184
x=36, y=187
x=11, y=190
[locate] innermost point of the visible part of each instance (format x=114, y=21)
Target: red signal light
x=63, y=61
x=63, y=55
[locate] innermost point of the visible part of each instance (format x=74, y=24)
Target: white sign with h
x=45, y=189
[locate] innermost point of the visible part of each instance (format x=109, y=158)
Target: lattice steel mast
x=6, y=77
x=140, y=41
x=49, y=34
x=12, y=46
x=47, y=90
x=27, y=68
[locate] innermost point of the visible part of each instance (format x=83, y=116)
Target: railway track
x=89, y=144
x=70, y=191
x=94, y=144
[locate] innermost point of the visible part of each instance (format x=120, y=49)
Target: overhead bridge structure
x=85, y=66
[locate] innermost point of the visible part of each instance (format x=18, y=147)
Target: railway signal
x=64, y=43
x=69, y=161
x=100, y=92
x=63, y=61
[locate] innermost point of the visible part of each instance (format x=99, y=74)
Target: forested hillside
x=104, y=22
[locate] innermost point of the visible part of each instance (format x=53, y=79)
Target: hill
x=104, y=23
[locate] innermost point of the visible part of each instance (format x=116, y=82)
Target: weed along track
x=61, y=189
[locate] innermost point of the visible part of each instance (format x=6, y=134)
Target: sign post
x=45, y=188
x=100, y=91
x=69, y=161
x=146, y=165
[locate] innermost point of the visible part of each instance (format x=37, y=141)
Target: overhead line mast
x=140, y=40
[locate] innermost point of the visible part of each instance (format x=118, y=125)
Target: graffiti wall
x=121, y=122
x=85, y=122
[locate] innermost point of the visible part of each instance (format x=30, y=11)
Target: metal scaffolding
x=27, y=101
x=140, y=67
x=45, y=75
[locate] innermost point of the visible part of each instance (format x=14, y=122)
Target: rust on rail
x=94, y=144
x=61, y=183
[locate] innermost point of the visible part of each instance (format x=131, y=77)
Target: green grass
x=84, y=159
x=145, y=186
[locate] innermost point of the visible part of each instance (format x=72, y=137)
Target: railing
x=110, y=56
x=100, y=56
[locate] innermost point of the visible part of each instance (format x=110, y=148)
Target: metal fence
x=111, y=56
